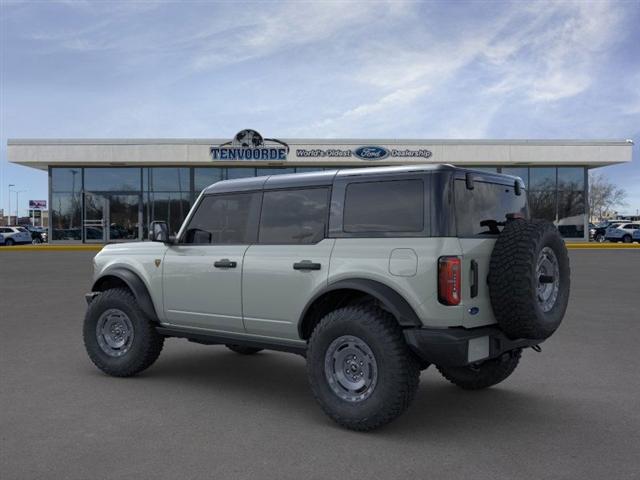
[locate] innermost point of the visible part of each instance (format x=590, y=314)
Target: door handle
x=225, y=263
x=474, y=279
x=306, y=265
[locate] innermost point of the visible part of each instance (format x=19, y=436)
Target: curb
x=602, y=246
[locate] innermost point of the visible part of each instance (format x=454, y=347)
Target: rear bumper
x=457, y=347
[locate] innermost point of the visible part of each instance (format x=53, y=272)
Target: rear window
x=483, y=210
x=389, y=206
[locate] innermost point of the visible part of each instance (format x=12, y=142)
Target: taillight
x=449, y=280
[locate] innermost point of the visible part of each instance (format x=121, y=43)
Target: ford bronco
x=372, y=274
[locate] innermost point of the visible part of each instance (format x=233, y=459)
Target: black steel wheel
x=360, y=369
x=120, y=340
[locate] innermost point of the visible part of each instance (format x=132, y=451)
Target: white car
x=1, y=239
x=15, y=235
x=622, y=233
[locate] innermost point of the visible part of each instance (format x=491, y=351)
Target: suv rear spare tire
x=529, y=279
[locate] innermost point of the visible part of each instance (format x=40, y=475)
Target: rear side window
x=389, y=206
x=297, y=216
x=225, y=219
x=484, y=210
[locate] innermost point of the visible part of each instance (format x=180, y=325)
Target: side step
x=207, y=338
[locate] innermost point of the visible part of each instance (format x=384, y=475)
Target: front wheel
x=626, y=239
x=599, y=238
x=9, y=242
x=119, y=338
x=360, y=369
x=36, y=241
x=484, y=375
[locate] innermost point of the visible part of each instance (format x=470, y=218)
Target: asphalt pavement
x=572, y=411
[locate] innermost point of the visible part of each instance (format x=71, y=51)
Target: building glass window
x=273, y=171
x=112, y=179
x=165, y=179
x=203, y=177
x=240, y=173
x=571, y=202
x=66, y=179
x=542, y=204
x=170, y=207
x=570, y=178
x=66, y=216
x=522, y=172
x=542, y=178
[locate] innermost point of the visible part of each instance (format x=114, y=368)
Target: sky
x=202, y=69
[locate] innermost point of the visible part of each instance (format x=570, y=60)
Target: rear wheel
x=626, y=239
x=9, y=242
x=360, y=369
x=36, y=241
x=599, y=238
x=483, y=375
x=243, y=350
x=120, y=340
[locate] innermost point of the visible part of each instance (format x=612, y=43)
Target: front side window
x=224, y=220
x=297, y=216
x=387, y=206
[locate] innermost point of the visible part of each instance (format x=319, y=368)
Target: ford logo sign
x=371, y=153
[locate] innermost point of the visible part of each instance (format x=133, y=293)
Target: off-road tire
x=146, y=344
x=397, y=368
x=487, y=374
x=513, y=280
x=243, y=349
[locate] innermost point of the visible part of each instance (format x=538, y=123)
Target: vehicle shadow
x=278, y=381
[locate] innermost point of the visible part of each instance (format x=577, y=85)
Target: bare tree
x=604, y=196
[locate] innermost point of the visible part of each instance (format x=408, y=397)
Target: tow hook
x=536, y=348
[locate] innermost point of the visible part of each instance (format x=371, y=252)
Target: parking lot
x=572, y=411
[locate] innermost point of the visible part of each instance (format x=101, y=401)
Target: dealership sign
x=38, y=204
x=366, y=152
x=250, y=145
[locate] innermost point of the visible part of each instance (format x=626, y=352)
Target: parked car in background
x=622, y=232
x=38, y=234
x=15, y=235
x=600, y=231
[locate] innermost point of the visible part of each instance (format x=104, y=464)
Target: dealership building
x=109, y=190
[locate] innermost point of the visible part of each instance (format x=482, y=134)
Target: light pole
x=9, y=211
x=18, y=192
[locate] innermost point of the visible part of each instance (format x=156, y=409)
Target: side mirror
x=159, y=232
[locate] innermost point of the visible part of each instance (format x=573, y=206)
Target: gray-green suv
x=372, y=274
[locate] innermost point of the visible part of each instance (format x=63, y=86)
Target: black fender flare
x=135, y=284
x=392, y=300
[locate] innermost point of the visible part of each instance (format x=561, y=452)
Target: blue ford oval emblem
x=371, y=153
